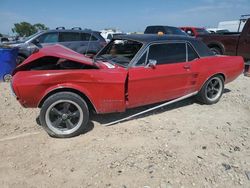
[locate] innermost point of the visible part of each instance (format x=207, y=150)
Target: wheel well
x=218, y=74
x=216, y=46
x=83, y=96
x=221, y=74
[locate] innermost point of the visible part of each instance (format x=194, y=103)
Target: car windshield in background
x=119, y=52
x=222, y=31
x=29, y=37
x=202, y=31
x=174, y=31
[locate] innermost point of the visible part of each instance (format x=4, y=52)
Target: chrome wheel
x=7, y=78
x=64, y=117
x=214, y=89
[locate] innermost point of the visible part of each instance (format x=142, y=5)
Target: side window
x=109, y=37
x=191, y=53
x=142, y=60
x=48, y=38
x=69, y=36
x=87, y=37
x=168, y=53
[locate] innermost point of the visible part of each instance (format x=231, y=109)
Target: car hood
x=60, y=52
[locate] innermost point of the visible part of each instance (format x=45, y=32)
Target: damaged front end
x=56, y=57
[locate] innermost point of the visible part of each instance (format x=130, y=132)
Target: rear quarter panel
x=104, y=87
x=230, y=66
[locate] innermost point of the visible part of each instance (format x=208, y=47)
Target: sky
x=126, y=15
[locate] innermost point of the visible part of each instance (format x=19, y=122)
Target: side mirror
x=151, y=63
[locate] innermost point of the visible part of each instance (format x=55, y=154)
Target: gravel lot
x=184, y=145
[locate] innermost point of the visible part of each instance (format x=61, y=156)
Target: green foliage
x=27, y=29
x=1, y=35
x=40, y=27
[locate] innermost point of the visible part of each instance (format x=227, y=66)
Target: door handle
x=186, y=66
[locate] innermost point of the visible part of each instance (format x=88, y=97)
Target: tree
x=1, y=35
x=27, y=29
x=40, y=27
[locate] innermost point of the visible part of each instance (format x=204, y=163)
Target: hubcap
x=214, y=89
x=64, y=117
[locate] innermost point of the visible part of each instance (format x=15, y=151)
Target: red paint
x=117, y=89
x=193, y=30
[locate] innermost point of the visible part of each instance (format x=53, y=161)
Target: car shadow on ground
x=108, y=118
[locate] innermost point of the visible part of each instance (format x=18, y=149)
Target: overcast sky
x=129, y=15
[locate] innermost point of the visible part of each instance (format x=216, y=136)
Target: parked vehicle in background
x=232, y=26
x=7, y=62
x=194, y=31
x=131, y=71
x=3, y=40
x=168, y=30
x=217, y=30
x=236, y=25
x=108, y=34
x=231, y=43
x=82, y=41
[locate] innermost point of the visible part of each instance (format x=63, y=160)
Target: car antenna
x=87, y=49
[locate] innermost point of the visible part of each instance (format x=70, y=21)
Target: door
x=244, y=43
x=71, y=40
x=170, y=78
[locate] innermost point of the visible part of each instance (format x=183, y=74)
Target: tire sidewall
x=217, y=51
x=202, y=94
x=64, y=96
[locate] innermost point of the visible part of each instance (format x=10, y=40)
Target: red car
x=195, y=31
x=131, y=71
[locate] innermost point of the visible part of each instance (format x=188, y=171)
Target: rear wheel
x=216, y=50
x=212, y=90
x=64, y=115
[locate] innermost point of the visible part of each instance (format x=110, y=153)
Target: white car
x=108, y=34
x=217, y=30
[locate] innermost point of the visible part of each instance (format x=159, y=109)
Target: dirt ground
x=184, y=145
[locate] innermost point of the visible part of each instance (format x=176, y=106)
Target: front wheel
x=212, y=90
x=64, y=115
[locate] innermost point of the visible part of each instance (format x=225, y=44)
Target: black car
x=168, y=30
x=82, y=41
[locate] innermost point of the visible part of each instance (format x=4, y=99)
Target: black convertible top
x=199, y=46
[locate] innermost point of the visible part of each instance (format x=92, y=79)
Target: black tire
x=216, y=50
x=64, y=115
x=212, y=90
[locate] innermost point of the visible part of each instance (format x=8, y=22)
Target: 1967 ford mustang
x=131, y=71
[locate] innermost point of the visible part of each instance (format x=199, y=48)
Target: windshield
x=202, y=31
x=119, y=52
x=30, y=37
x=222, y=31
